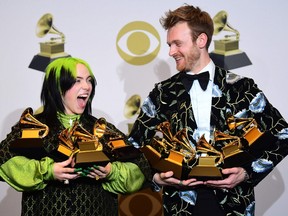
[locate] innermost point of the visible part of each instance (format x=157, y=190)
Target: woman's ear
x=202, y=40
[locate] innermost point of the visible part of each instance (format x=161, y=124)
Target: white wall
x=91, y=28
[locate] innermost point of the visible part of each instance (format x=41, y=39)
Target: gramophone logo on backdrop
x=226, y=52
x=49, y=49
x=138, y=43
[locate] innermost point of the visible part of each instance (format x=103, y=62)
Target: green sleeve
x=25, y=174
x=125, y=177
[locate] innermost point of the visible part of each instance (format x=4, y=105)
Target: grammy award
x=208, y=163
x=99, y=147
x=226, y=52
x=51, y=49
x=253, y=139
x=175, y=153
x=233, y=150
x=30, y=144
x=88, y=150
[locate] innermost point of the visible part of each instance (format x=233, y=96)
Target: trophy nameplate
x=206, y=169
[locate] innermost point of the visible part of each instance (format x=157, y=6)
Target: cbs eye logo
x=138, y=43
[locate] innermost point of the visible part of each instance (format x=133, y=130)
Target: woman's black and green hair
x=60, y=77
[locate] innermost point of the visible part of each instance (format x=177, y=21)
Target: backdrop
x=105, y=34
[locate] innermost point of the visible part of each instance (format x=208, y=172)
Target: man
x=202, y=111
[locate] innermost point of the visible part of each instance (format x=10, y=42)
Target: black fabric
x=188, y=79
x=207, y=203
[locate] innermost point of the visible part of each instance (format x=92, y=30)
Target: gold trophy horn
x=38, y=129
x=221, y=24
x=45, y=26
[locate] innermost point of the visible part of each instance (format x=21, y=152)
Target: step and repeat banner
x=125, y=45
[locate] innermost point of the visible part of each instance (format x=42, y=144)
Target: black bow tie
x=188, y=79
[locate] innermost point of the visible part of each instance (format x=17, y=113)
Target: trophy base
x=229, y=62
x=206, y=169
x=89, y=158
x=125, y=153
x=29, y=147
x=40, y=62
x=238, y=160
x=204, y=173
x=262, y=143
x=172, y=163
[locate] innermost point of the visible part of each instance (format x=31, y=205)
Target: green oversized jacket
x=42, y=195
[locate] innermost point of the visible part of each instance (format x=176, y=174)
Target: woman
x=57, y=188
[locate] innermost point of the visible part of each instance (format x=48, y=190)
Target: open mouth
x=82, y=100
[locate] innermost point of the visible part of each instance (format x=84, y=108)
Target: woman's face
x=76, y=98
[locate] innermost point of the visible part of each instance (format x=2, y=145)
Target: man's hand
x=167, y=179
x=236, y=175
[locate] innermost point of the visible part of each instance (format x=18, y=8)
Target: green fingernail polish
x=96, y=167
x=77, y=169
x=86, y=171
x=90, y=168
x=83, y=174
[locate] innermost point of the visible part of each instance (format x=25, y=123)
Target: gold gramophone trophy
x=51, y=49
x=170, y=153
x=32, y=132
x=208, y=161
x=89, y=150
x=226, y=52
x=234, y=153
x=115, y=145
x=253, y=139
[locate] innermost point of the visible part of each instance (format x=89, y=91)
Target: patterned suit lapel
x=219, y=100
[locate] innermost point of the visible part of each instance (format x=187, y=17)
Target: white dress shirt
x=201, y=102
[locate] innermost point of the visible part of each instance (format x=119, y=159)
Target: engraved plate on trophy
x=32, y=131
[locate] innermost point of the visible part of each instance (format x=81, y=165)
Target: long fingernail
x=77, y=169
x=83, y=174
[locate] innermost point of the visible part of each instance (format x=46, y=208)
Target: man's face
x=182, y=49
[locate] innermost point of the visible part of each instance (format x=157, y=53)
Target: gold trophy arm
x=164, y=128
x=233, y=122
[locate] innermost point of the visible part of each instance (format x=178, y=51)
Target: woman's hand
x=63, y=172
x=97, y=172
